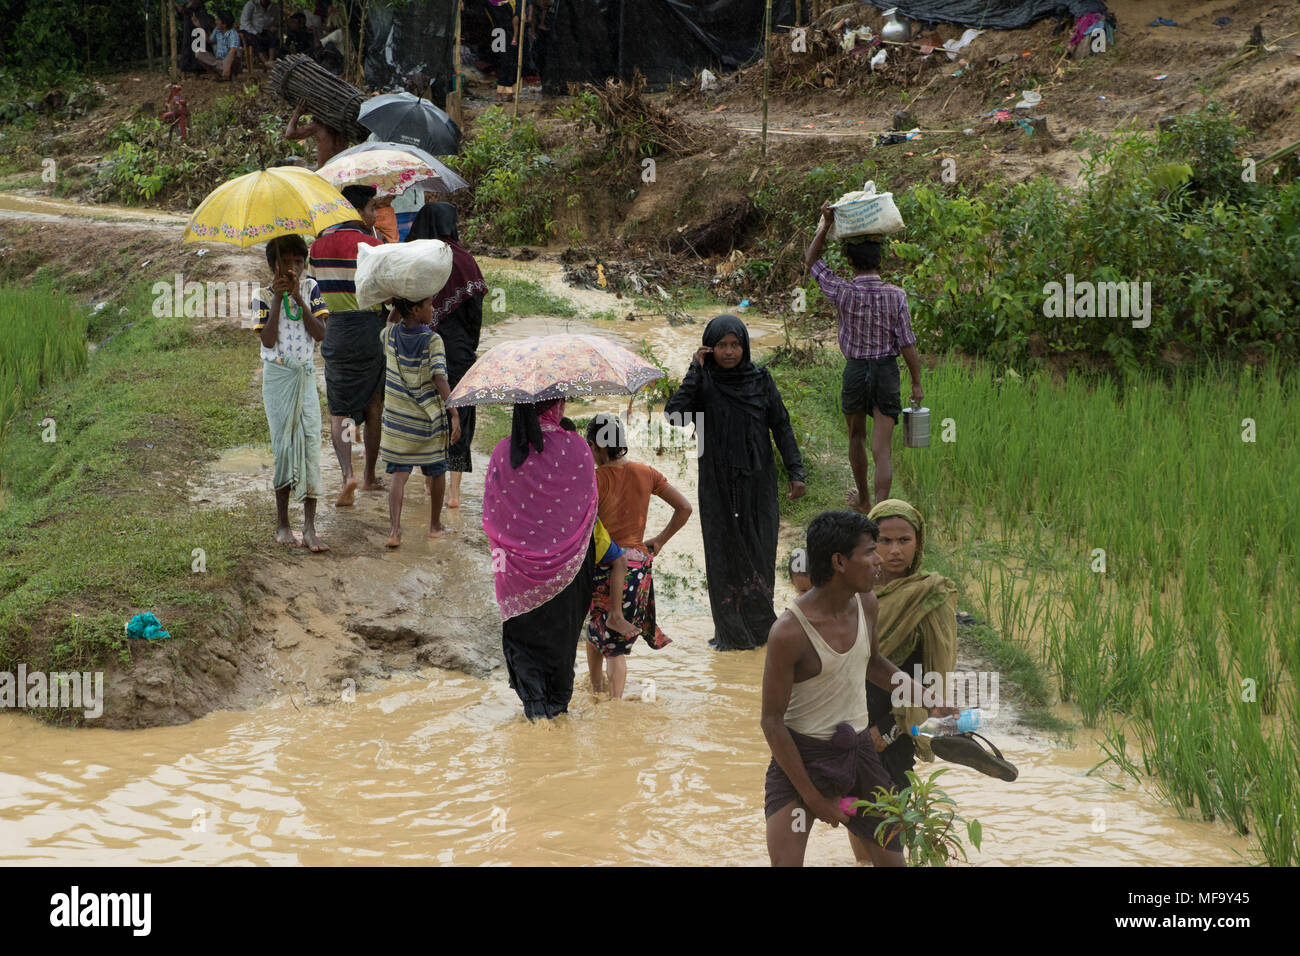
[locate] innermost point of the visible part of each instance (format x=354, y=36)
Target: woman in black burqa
x=739, y=406
x=458, y=319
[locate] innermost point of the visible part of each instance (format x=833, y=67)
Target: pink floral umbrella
x=391, y=172
x=544, y=367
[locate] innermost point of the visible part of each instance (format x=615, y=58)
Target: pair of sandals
x=965, y=750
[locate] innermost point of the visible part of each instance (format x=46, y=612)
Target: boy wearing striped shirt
x=874, y=329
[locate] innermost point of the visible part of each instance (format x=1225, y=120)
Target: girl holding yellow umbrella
x=275, y=206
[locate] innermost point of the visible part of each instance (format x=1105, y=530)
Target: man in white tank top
x=820, y=655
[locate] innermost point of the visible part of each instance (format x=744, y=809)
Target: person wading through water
x=821, y=653
x=539, y=509
x=742, y=414
x=918, y=629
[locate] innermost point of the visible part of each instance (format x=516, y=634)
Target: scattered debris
x=636, y=127
x=145, y=626
x=953, y=46
x=1162, y=22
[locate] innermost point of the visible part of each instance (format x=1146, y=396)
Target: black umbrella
x=409, y=119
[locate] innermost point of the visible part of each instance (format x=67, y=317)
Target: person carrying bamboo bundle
x=329, y=141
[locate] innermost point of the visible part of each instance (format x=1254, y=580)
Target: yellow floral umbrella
x=256, y=207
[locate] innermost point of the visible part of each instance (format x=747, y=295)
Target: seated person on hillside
x=297, y=38
x=222, y=55
x=259, y=25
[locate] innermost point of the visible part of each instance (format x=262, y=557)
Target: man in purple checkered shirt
x=875, y=328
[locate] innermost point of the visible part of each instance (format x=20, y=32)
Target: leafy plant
x=923, y=816
x=515, y=186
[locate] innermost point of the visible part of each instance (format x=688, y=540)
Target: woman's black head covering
x=437, y=220
x=713, y=334
x=526, y=431
x=743, y=413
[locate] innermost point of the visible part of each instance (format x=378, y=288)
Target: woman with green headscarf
x=916, y=626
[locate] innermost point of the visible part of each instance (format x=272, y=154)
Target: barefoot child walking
x=874, y=329
x=290, y=321
x=415, y=430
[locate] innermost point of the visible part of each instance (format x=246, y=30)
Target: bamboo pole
x=148, y=38
x=175, y=70
x=519, y=63
x=1281, y=153
x=457, y=78
x=162, y=34
x=767, y=65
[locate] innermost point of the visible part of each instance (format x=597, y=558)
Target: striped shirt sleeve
x=437, y=355
x=317, y=301
x=903, y=334
x=261, y=311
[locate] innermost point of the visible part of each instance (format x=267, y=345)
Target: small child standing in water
x=415, y=429
x=624, y=489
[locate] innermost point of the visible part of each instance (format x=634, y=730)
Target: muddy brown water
x=436, y=767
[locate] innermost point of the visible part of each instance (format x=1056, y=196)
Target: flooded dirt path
x=432, y=766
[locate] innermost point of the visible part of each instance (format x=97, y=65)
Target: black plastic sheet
x=665, y=39
x=991, y=14
x=417, y=37
x=671, y=39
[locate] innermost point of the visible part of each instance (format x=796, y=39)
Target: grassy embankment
x=96, y=525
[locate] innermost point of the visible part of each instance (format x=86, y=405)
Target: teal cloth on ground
x=146, y=626
x=293, y=416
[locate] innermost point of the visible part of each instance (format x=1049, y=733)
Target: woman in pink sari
x=539, y=507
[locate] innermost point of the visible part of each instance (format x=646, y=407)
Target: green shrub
x=514, y=186
x=1222, y=273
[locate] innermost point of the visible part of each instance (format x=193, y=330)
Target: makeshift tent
x=664, y=39
x=416, y=37
x=990, y=14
